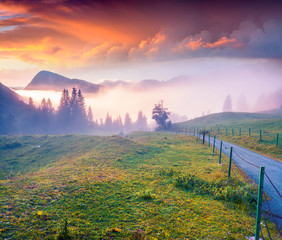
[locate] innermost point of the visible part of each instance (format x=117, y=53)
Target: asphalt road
x=250, y=162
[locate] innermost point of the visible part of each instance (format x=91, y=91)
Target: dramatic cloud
x=224, y=47
x=66, y=33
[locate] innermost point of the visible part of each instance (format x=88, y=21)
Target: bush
x=219, y=190
x=146, y=195
x=167, y=172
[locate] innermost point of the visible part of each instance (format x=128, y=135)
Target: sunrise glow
x=210, y=45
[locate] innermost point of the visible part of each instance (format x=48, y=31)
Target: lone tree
x=161, y=115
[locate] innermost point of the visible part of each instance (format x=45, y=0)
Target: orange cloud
x=76, y=34
x=159, y=37
x=194, y=45
x=27, y=58
x=222, y=42
x=69, y=33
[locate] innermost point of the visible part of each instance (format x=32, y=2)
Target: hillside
x=228, y=119
x=242, y=129
x=117, y=188
x=45, y=80
x=14, y=113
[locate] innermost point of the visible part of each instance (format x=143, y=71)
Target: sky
x=229, y=47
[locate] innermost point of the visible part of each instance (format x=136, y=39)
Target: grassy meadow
x=269, y=124
x=146, y=186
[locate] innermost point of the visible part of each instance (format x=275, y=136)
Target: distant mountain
x=14, y=113
x=46, y=80
x=149, y=84
x=113, y=84
x=8, y=96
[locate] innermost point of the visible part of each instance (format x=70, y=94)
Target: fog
x=185, y=97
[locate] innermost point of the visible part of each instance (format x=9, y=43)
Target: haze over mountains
x=14, y=113
x=46, y=80
x=185, y=96
x=114, y=97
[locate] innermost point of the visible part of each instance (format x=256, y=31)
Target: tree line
x=72, y=116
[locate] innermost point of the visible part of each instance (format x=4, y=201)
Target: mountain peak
x=45, y=80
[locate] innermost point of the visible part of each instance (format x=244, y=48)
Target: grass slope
x=227, y=126
x=148, y=186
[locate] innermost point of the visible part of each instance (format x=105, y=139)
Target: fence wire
x=243, y=185
x=252, y=213
x=273, y=185
x=273, y=218
x=245, y=160
x=264, y=215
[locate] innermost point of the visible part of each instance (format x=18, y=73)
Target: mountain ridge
x=46, y=80
x=14, y=113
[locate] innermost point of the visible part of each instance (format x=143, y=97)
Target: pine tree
x=46, y=115
x=73, y=103
x=108, y=125
x=64, y=106
x=64, y=111
x=43, y=105
x=119, y=124
x=49, y=106
x=141, y=123
x=127, y=123
x=31, y=103
x=81, y=107
x=227, y=105
x=89, y=115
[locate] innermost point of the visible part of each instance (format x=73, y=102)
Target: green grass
x=147, y=186
x=217, y=124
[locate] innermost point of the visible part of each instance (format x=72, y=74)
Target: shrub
x=146, y=195
x=167, y=172
x=219, y=190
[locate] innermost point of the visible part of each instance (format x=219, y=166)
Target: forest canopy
x=71, y=116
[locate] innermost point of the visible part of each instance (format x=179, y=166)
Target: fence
x=261, y=214
x=261, y=135
x=261, y=197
